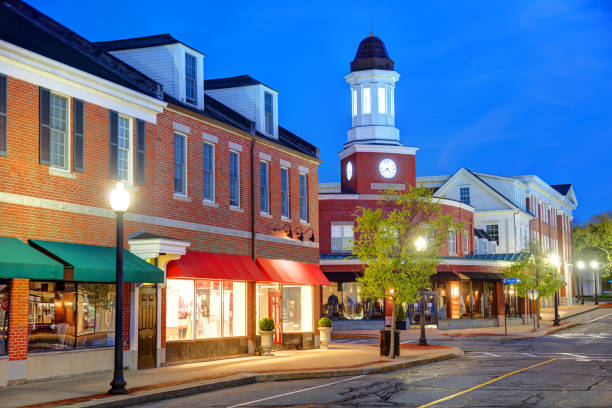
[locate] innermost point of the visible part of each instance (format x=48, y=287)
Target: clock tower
x=373, y=158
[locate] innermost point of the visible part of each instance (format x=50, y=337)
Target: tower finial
x=371, y=31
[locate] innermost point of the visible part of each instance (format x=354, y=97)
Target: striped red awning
x=208, y=265
x=285, y=271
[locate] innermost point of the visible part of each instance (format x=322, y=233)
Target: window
x=466, y=242
x=493, y=231
x=269, y=113
x=392, y=102
x=209, y=172
x=5, y=294
x=59, y=131
x=268, y=303
x=191, y=81
x=464, y=195
x=342, y=237
x=303, y=197
x=201, y=309
x=180, y=164
x=365, y=100
x=2, y=118
x=452, y=242
x=431, y=238
x=140, y=152
x=264, y=187
x=382, y=100
x=123, y=148
x=95, y=315
x=285, y=192
x=354, y=101
x=234, y=179
x=297, y=308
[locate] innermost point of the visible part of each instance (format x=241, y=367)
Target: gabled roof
x=141, y=42
x=26, y=27
x=563, y=189
x=232, y=82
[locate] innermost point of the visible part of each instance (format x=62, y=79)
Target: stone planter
x=325, y=336
x=267, y=340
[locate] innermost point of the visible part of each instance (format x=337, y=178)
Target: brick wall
x=365, y=171
x=18, y=319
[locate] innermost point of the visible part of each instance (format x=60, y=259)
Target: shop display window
x=268, y=303
x=343, y=300
x=203, y=309
x=96, y=315
x=51, y=317
x=297, y=308
x=4, y=315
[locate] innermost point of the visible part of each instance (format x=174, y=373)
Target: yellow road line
x=485, y=383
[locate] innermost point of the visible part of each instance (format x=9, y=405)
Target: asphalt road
x=570, y=369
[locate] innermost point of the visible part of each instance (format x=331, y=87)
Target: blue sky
x=513, y=87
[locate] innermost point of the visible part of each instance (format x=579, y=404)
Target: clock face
x=349, y=171
x=387, y=168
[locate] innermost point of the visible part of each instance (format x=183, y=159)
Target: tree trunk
x=392, y=342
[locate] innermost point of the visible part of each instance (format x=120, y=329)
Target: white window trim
x=366, y=109
x=466, y=242
x=354, y=102
x=67, y=142
x=233, y=206
x=265, y=114
x=261, y=212
x=283, y=217
x=341, y=224
x=452, y=233
x=186, y=192
x=130, y=179
x=214, y=186
x=195, y=80
x=382, y=107
x=302, y=220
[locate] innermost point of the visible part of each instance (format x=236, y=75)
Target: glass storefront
x=513, y=308
x=4, y=315
x=64, y=315
x=203, y=309
x=344, y=301
x=297, y=308
x=477, y=299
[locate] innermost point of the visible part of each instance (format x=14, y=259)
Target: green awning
x=18, y=260
x=97, y=263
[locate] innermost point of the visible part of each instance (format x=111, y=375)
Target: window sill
x=129, y=186
x=236, y=209
x=61, y=173
x=181, y=197
x=209, y=203
x=283, y=218
x=2, y=154
x=305, y=223
x=265, y=215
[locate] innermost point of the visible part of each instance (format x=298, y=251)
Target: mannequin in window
x=332, y=305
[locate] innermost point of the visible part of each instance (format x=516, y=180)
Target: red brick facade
x=18, y=319
x=365, y=171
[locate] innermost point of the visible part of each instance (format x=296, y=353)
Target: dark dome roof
x=371, y=54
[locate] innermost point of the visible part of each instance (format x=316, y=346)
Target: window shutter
x=140, y=152
x=114, y=139
x=2, y=115
x=79, y=136
x=45, y=126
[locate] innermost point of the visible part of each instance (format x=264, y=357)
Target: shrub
x=400, y=314
x=266, y=324
x=325, y=322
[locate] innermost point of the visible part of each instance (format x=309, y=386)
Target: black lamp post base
x=423, y=342
x=118, y=385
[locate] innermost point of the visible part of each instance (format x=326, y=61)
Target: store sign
x=512, y=280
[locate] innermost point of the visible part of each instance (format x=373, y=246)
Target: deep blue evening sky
x=512, y=87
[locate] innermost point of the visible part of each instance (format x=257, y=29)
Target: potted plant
x=325, y=331
x=266, y=329
x=400, y=318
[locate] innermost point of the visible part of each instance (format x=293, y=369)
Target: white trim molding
x=364, y=148
x=376, y=197
x=152, y=247
x=179, y=127
x=265, y=156
x=304, y=170
x=285, y=163
x=234, y=146
x=210, y=138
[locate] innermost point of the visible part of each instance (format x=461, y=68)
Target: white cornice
x=376, y=75
x=365, y=148
x=376, y=197
x=34, y=68
x=458, y=261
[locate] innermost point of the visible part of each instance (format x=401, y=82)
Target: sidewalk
x=188, y=379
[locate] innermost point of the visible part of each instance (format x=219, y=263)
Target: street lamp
x=421, y=245
x=581, y=266
x=120, y=201
x=554, y=260
x=594, y=267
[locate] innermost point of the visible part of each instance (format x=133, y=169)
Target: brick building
x=223, y=223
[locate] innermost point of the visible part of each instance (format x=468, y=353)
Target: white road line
x=294, y=392
x=597, y=318
x=528, y=354
x=407, y=341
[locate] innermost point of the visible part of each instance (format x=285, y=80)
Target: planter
x=325, y=336
x=267, y=340
x=385, y=343
x=400, y=325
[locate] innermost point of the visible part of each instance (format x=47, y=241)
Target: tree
x=396, y=268
x=593, y=239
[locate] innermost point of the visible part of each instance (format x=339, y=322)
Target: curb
x=578, y=314
x=260, y=378
x=557, y=329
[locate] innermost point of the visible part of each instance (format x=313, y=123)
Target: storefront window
x=4, y=316
x=352, y=305
x=51, y=318
x=297, y=308
x=477, y=299
x=268, y=303
x=96, y=315
x=214, y=308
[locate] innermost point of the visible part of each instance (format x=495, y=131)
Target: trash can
x=385, y=343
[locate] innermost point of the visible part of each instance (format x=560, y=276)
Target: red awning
x=208, y=265
x=285, y=271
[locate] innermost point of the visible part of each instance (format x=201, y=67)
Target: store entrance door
x=147, y=320
x=274, y=302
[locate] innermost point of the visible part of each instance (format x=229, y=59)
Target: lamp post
x=120, y=201
x=594, y=267
x=581, y=266
x=421, y=245
x=554, y=260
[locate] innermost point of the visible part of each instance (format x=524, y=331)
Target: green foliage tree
x=593, y=240
x=386, y=243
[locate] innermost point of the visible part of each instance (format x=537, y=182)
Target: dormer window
x=191, y=87
x=269, y=113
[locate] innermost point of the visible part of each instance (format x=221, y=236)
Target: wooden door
x=274, y=304
x=147, y=320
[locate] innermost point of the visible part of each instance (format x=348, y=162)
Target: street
x=572, y=368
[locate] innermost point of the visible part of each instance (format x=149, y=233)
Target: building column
x=251, y=316
x=18, y=330
x=316, y=313
x=501, y=302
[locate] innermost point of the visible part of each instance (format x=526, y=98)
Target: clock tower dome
x=374, y=158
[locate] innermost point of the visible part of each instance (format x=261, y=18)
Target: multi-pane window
x=354, y=101
x=209, y=172
x=191, y=82
x=431, y=237
x=466, y=242
x=464, y=195
x=123, y=148
x=2, y=116
x=342, y=237
x=493, y=231
x=285, y=192
x=264, y=187
x=269, y=112
x=303, y=197
x=382, y=100
x=452, y=242
x=59, y=131
x=234, y=179
x=365, y=100
x=180, y=164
